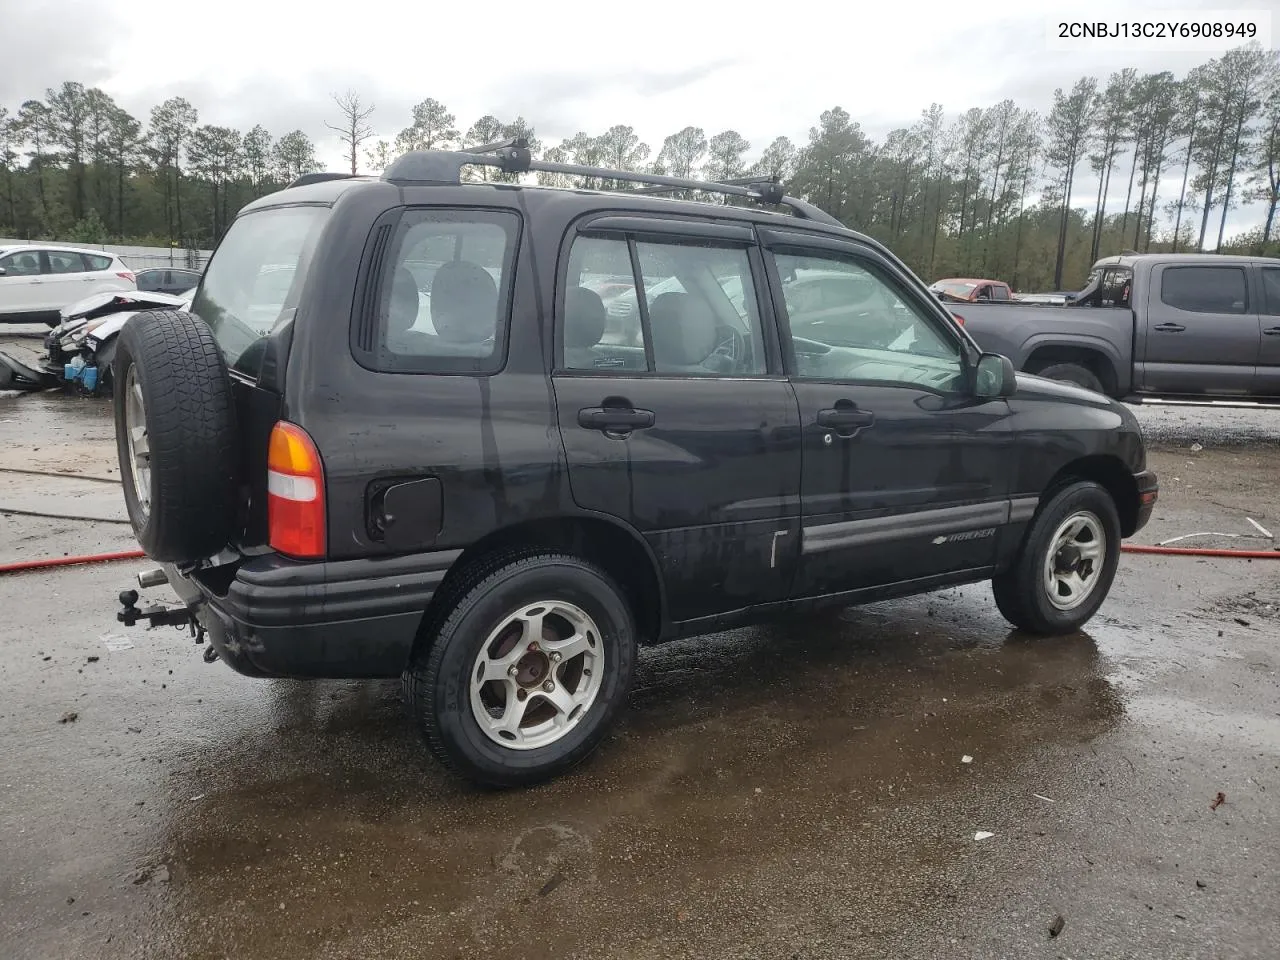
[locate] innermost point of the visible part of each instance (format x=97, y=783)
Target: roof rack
x=732, y=182
x=513, y=156
x=307, y=178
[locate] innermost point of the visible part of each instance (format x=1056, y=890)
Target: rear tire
x=1075, y=373
x=461, y=685
x=1034, y=594
x=175, y=436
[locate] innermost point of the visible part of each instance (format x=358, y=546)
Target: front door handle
x=615, y=419
x=1272, y=332
x=845, y=418
x=1169, y=327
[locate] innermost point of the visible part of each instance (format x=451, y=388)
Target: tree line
x=991, y=192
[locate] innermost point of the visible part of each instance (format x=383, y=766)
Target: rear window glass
x=1205, y=289
x=445, y=291
x=252, y=283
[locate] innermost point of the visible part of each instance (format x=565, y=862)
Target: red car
x=966, y=290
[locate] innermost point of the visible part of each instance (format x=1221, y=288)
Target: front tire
x=527, y=671
x=1075, y=373
x=1065, y=565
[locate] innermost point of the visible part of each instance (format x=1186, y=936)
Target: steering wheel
x=733, y=348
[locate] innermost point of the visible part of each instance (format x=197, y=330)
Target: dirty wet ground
x=791, y=791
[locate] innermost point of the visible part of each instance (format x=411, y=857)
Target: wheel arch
x=1110, y=473
x=1091, y=356
x=617, y=549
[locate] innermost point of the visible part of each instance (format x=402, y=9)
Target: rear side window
x=696, y=314
x=65, y=262
x=96, y=262
x=445, y=292
x=1205, y=289
x=253, y=281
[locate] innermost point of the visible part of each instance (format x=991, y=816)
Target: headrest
x=464, y=302
x=684, y=329
x=402, y=312
x=584, y=318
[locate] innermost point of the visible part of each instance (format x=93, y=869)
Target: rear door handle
x=845, y=418
x=615, y=419
x=1272, y=332
x=1169, y=327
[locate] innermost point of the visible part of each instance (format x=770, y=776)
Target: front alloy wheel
x=1074, y=560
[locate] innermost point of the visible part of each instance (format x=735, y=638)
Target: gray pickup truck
x=1166, y=326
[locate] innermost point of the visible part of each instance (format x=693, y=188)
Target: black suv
x=491, y=437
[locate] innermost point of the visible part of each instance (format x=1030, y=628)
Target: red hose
x=1203, y=552
x=68, y=561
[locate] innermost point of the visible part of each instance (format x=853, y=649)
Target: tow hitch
x=158, y=615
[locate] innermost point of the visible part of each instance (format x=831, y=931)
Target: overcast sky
x=657, y=65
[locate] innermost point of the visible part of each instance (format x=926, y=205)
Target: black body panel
x=733, y=490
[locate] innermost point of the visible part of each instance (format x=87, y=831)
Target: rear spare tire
x=175, y=436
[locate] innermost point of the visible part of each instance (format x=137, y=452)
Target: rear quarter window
x=443, y=294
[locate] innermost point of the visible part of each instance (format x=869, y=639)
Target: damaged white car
x=79, y=350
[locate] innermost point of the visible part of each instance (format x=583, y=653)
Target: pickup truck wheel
x=1075, y=373
x=1065, y=565
x=175, y=436
x=527, y=671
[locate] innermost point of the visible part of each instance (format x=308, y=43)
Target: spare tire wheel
x=175, y=436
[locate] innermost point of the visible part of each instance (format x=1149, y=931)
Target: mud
x=790, y=791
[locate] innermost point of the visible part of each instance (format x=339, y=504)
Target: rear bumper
x=1148, y=494
x=337, y=620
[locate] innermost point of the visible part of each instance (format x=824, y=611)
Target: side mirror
x=994, y=377
x=2, y=271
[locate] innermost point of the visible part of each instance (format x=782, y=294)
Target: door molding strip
x=940, y=521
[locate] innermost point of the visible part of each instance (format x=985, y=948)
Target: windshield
x=252, y=283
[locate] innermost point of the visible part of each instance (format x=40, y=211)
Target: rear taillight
x=125, y=275
x=959, y=319
x=295, y=493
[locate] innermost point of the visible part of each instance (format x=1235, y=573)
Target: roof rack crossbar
x=513, y=156
x=731, y=181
